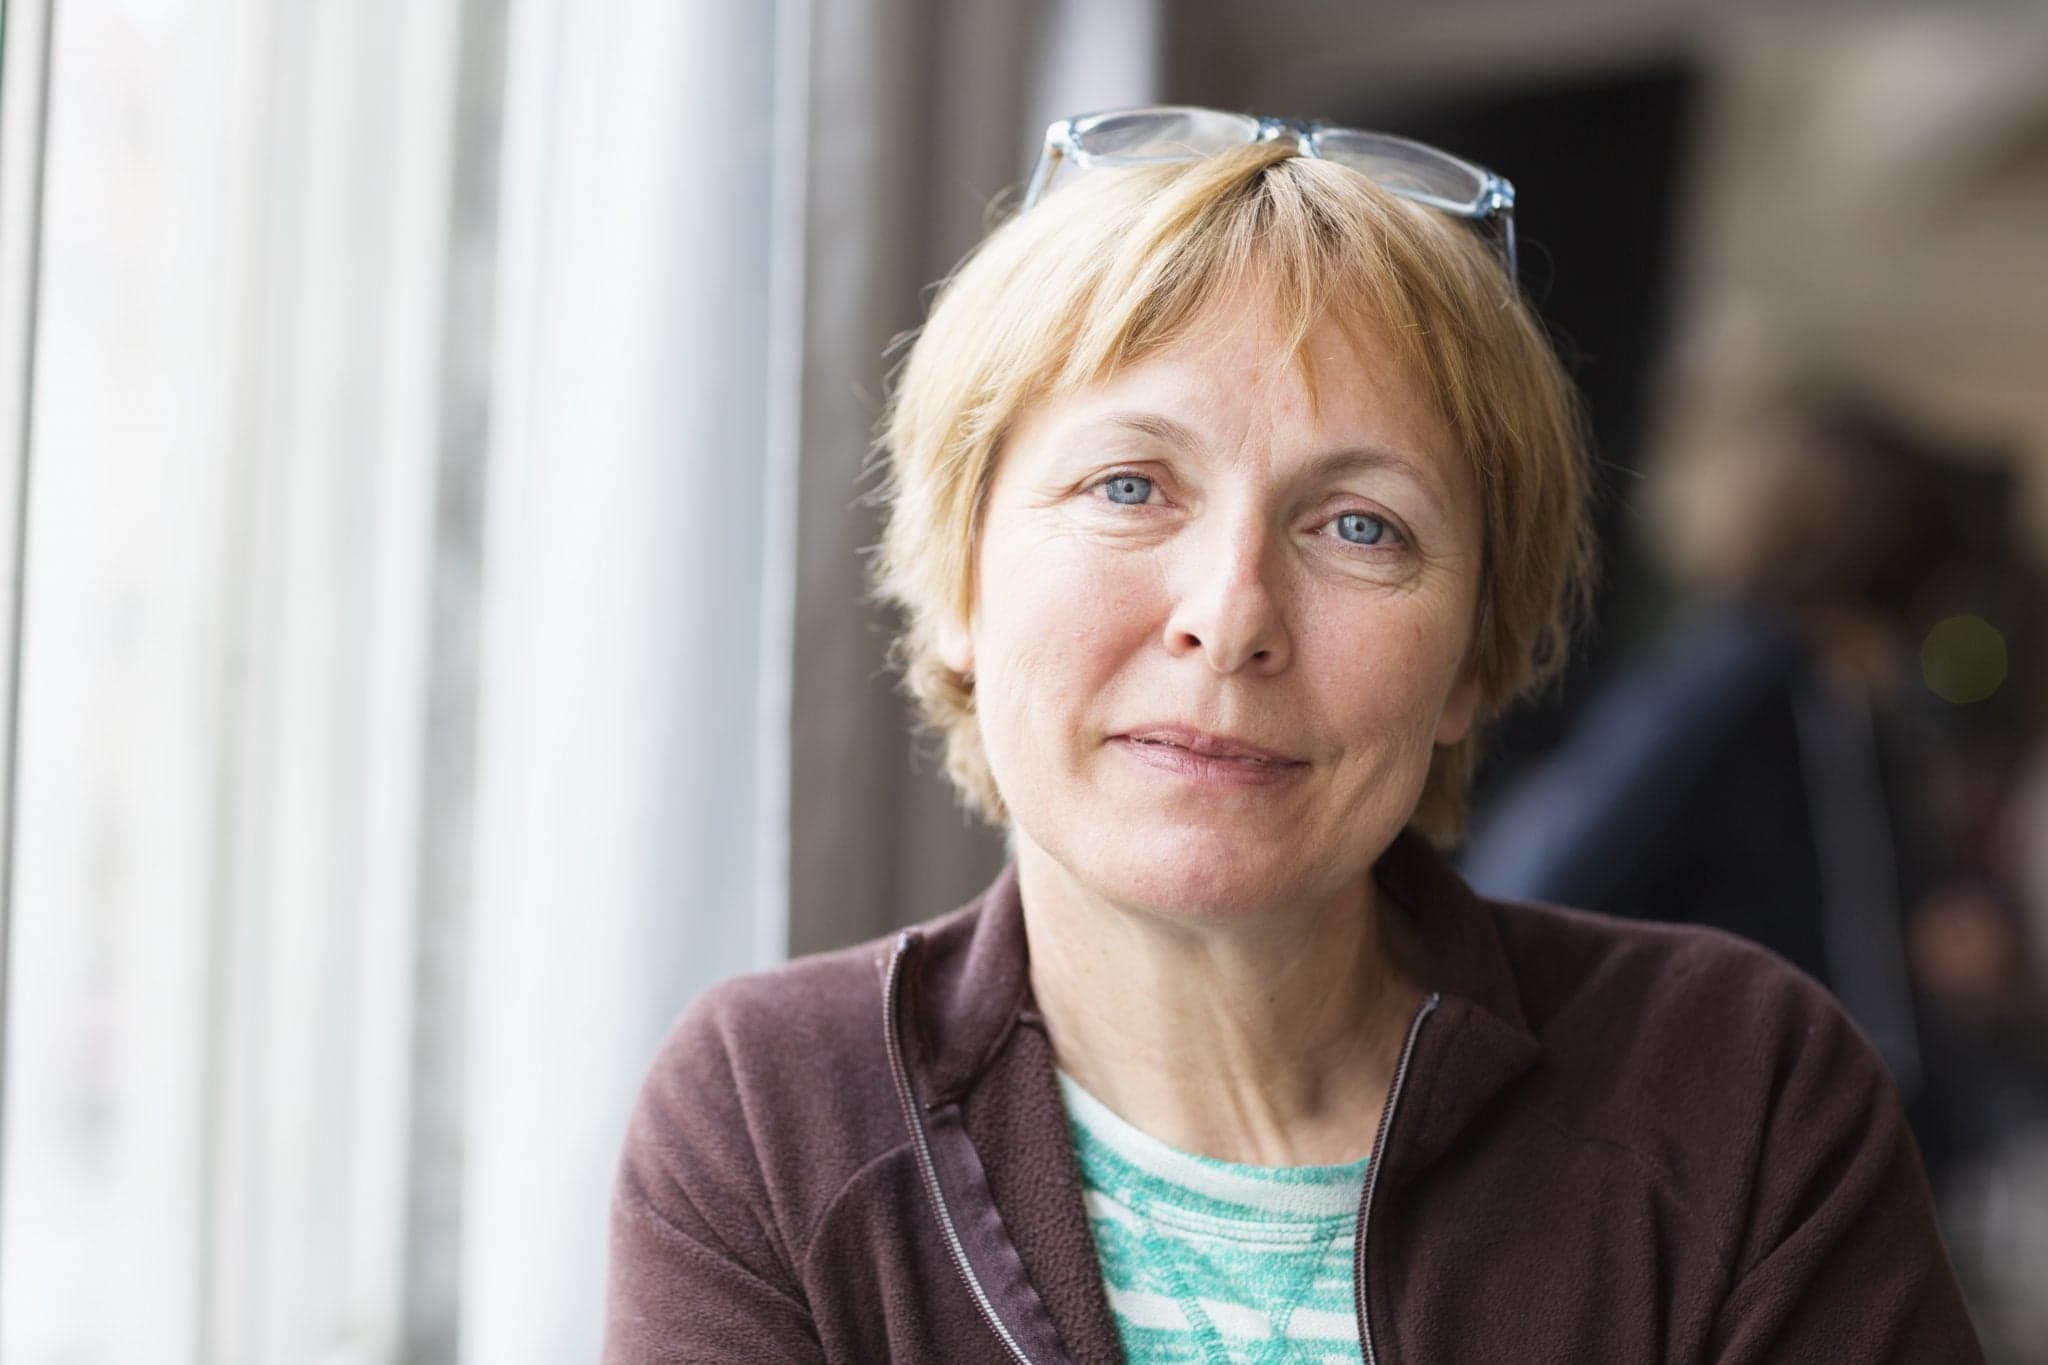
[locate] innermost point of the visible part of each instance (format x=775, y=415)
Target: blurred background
x=433, y=646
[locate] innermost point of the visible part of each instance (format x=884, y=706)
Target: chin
x=1194, y=876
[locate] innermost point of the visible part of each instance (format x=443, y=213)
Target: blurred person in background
x=1233, y=488
x=1820, y=756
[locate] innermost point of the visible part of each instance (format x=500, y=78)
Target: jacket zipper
x=1372, y=1174
x=914, y=1116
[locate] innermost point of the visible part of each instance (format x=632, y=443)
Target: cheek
x=1058, y=624
x=1052, y=601
x=1388, y=679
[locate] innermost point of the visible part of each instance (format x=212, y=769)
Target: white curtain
x=230, y=537
x=615, y=834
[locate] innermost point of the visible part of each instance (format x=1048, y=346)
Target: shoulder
x=1698, y=1009
x=809, y=1028
x=803, y=1018
x=1570, y=962
x=1714, y=1060
x=794, y=1054
x=1753, y=1103
x=770, y=1094
x=765, y=1105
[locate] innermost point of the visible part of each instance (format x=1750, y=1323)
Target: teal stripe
x=1208, y=1261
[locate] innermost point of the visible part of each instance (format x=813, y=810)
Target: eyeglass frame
x=1494, y=204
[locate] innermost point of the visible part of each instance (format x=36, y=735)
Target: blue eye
x=1361, y=528
x=1129, y=489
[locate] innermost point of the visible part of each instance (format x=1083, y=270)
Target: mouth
x=1215, y=748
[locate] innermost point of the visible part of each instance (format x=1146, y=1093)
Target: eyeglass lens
x=1406, y=168
x=1163, y=134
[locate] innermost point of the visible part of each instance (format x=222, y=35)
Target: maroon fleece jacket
x=1610, y=1141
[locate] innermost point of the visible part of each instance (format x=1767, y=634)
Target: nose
x=1227, y=608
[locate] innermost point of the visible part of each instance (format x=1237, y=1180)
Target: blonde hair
x=1119, y=266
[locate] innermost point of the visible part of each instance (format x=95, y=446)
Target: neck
x=1270, y=1040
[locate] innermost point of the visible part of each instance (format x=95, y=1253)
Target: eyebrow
x=1152, y=424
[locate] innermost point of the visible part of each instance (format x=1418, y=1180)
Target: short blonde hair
x=1118, y=267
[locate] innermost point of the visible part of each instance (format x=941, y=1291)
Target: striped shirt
x=1210, y=1261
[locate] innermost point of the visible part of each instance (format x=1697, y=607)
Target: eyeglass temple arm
x=1058, y=141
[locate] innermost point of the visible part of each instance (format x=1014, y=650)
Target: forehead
x=1241, y=376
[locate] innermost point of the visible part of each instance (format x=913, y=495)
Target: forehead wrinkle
x=1158, y=426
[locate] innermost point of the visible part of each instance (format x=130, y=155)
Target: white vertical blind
x=24, y=39
x=317, y=900
x=617, y=798
x=24, y=60
x=125, y=645
x=228, y=542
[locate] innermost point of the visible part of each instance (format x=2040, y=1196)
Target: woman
x=1232, y=490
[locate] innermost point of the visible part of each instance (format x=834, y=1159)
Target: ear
x=1461, y=708
x=955, y=645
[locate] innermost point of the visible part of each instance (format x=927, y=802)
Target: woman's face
x=1219, y=628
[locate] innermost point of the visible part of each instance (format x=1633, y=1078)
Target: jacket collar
x=1482, y=1041
x=972, y=988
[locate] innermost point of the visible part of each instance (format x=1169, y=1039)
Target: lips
x=1221, y=748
